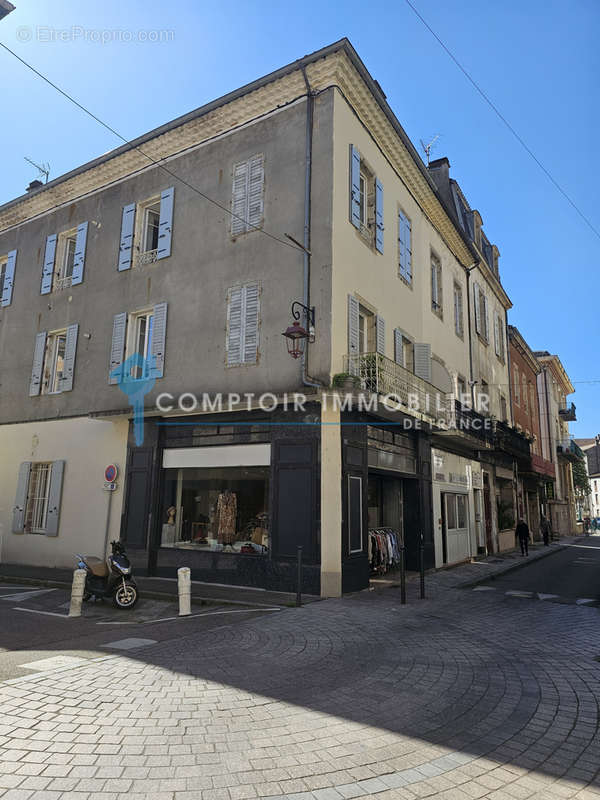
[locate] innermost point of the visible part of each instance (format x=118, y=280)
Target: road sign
x=109, y=486
x=110, y=473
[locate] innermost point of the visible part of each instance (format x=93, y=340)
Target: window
x=483, y=398
x=461, y=388
x=366, y=201
x=243, y=321
x=54, y=362
x=404, y=247
x=36, y=510
x=532, y=403
x=3, y=268
x=140, y=343
x=247, y=201
x=436, y=285
x=150, y=227
x=499, y=336
x=404, y=350
x=456, y=511
x=458, y=311
x=363, y=199
x=366, y=330
x=503, y=408
x=517, y=386
x=483, y=314
x=67, y=246
x=138, y=339
x=525, y=395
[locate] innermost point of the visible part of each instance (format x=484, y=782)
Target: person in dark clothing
x=522, y=534
x=546, y=530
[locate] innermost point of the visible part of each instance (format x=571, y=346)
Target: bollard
x=299, y=578
x=402, y=575
x=184, y=588
x=77, y=590
x=422, y=557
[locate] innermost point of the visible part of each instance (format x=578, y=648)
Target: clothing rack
x=384, y=549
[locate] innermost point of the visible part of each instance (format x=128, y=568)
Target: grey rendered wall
x=205, y=261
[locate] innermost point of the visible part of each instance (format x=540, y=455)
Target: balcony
x=567, y=448
x=567, y=414
x=508, y=440
x=382, y=376
x=541, y=466
x=149, y=257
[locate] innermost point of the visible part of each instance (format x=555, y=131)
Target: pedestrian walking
x=522, y=534
x=546, y=530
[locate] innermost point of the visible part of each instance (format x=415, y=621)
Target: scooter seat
x=97, y=566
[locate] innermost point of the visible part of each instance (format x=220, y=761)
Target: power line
x=153, y=162
x=506, y=122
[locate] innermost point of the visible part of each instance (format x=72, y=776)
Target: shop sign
x=456, y=477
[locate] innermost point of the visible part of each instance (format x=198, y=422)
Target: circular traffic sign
x=110, y=473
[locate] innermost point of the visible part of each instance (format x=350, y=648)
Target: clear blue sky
x=538, y=61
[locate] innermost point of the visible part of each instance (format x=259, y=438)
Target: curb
x=512, y=567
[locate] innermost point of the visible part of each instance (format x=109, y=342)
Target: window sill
x=147, y=257
x=405, y=281
x=438, y=312
x=60, y=284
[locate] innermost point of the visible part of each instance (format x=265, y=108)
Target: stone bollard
x=77, y=592
x=184, y=588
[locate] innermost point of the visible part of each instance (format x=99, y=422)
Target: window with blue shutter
x=48, y=269
x=380, y=334
x=79, y=258
x=38, y=364
x=126, y=244
x=54, y=497
x=158, y=341
x=117, y=348
x=422, y=359
x=165, y=226
x=404, y=247
x=6, y=286
x=355, y=187
x=398, y=347
x=66, y=382
x=379, y=215
x=18, y=521
x=353, y=326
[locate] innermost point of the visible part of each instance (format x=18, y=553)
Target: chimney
x=441, y=166
x=34, y=185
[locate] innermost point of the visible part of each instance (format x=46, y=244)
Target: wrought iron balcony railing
x=511, y=441
x=149, y=257
x=567, y=414
x=382, y=376
x=569, y=449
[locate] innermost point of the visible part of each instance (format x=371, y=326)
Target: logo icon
x=136, y=376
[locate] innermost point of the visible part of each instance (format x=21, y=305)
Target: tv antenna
x=43, y=169
x=428, y=147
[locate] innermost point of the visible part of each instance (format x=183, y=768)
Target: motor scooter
x=110, y=578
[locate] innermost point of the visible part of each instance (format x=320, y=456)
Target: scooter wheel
x=126, y=595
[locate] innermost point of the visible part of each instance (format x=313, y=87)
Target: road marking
x=129, y=644
x=546, y=596
x=16, y=598
x=54, y=662
x=212, y=614
x=517, y=593
x=484, y=589
x=582, y=601
x=45, y=613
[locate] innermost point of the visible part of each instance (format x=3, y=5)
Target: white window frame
x=37, y=506
x=63, y=280
x=3, y=265
x=50, y=381
x=144, y=255
x=132, y=336
x=437, y=296
x=459, y=324
x=367, y=335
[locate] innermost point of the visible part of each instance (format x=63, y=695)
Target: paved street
x=470, y=694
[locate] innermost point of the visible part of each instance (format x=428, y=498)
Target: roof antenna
x=43, y=169
x=428, y=147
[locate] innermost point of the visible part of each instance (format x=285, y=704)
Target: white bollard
x=77, y=592
x=184, y=587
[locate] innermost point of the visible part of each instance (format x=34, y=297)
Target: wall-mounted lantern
x=297, y=335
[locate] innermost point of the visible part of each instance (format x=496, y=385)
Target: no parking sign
x=110, y=476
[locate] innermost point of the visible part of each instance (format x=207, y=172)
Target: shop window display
x=217, y=509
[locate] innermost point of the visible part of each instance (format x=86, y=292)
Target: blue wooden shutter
x=404, y=247
x=117, y=348
x=235, y=301
x=126, y=245
x=48, y=270
x=256, y=179
x=79, y=260
x=380, y=334
x=239, y=198
x=157, y=345
x=38, y=364
x=18, y=522
x=353, y=345
x=66, y=383
x=398, y=347
x=9, y=279
x=250, y=327
x=165, y=225
x=422, y=359
x=379, y=215
x=354, y=186
x=54, y=496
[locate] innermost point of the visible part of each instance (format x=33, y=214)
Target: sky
x=538, y=61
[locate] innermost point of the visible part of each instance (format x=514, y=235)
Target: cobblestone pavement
x=466, y=695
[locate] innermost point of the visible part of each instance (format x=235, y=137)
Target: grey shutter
x=256, y=181
x=66, y=383
x=157, y=345
x=9, y=279
x=354, y=186
x=398, y=347
x=79, y=260
x=48, y=270
x=404, y=246
x=353, y=348
x=250, y=328
x=485, y=320
x=379, y=215
x=54, y=495
x=239, y=198
x=422, y=358
x=18, y=523
x=38, y=364
x=380, y=332
x=165, y=225
x=234, y=325
x=126, y=245
x=477, y=309
x=117, y=348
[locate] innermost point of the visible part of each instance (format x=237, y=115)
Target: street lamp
x=296, y=335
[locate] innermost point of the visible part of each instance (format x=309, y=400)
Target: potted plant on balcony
x=345, y=381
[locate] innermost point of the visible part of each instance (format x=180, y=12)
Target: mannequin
x=226, y=515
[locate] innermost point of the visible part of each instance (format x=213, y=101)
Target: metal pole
x=402, y=575
x=107, y=527
x=299, y=578
x=422, y=559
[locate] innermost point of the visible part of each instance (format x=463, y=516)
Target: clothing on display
x=227, y=513
x=384, y=549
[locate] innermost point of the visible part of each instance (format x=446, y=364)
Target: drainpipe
x=310, y=102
